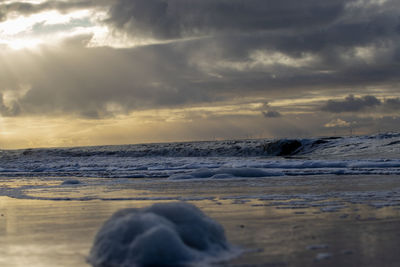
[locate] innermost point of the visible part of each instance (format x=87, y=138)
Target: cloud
x=267, y=112
x=271, y=114
x=25, y=8
x=337, y=123
x=256, y=49
x=98, y=82
x=9, y=110
x=172, y=19
x=351, y=104
x=392, y=104
x=361, y=104
x=374, y=124
x=289, y=26
x=101, y=82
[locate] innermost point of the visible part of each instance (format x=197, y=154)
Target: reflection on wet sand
x=278, y=222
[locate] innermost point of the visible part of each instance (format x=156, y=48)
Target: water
x=275, y=198
x=358, y=155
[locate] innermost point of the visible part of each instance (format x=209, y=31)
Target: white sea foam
x=165, y=234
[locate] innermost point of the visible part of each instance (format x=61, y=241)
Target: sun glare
x=18, y=44
x=28, y=32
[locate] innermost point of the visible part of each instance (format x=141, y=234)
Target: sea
x=259, y=158
x=257, y=168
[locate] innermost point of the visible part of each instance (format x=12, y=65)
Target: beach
x=273, y=221
x=194, y=133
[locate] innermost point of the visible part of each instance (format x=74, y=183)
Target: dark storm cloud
x=289, y=25
x=169, y=19
x=247, y=48
x=271, y=114
x=329, y=31
x=392, y=104
x=361, y=104
x=351, y=104
x=267, y=112
x=101, y=82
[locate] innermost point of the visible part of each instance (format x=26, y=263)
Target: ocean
x=354, y=155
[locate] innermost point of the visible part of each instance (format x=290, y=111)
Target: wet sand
x=284, y=221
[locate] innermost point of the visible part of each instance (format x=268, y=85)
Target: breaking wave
x=377, y=154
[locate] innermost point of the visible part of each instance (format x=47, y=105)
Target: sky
x=103, y=72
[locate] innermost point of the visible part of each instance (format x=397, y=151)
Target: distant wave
x=233, y=148
x=374, y=154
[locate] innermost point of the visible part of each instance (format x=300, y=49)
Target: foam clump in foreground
x=167, y=234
